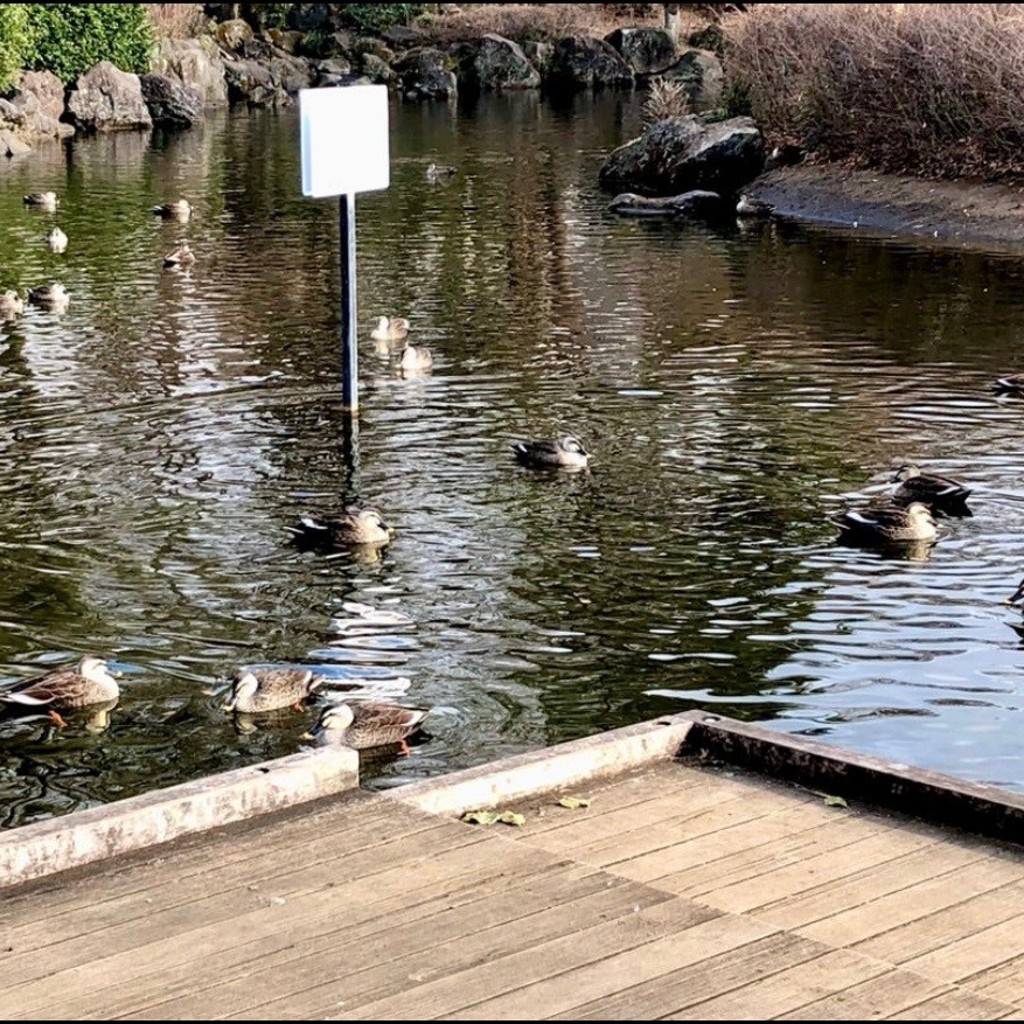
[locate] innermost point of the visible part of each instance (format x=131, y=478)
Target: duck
x=366, y=724
x=45, y=200
x=50, y=296
x=436, y=172
x=416, y=358
x=937, y=492
x=394, y=328
x=183, y=256
x=1011, y=384
x=180, y=209
x=888, y=524
x=89, y=682
x=1017, y=594
x=352, y=527
x=564, y=453
x=57, y=240
x=11, y=304
x=748, y=207
x=255, y=690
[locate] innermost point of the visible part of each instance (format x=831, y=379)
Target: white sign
x=344, y=140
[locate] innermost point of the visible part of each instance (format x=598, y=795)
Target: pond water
x=736, y=388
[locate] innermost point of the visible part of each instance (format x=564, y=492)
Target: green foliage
x=67, y=39
x=14, y=41
x=378, y=17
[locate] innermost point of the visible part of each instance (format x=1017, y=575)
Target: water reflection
x=736, y=388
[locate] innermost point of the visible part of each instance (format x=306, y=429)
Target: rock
x=711, y=37
x=646, y=50
x=250, y=81
x=585, y=62
x=12, y=144
x=701, y=74
x=38, y=101
x=538, y=54
x=426, y=73
x=105, y=99
x=401, y=37
x=308, y=17
x=696, y=203
x=234, y=34
x=196, y=64
x=377, y=70
x=291, y=73
x=497, y=63
x=171, y=104
x=10, y=114
x=288, y=40
x=332, y=72
x=680, y=154
x=369, y=44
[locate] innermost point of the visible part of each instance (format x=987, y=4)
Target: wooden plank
x=877, y=882
x=445, y=996
x=44, y=909
x=888, y=993
x=665, y=995
x=658, y=821
x=785, y=992
x=957, y=1004
x=958, y=960
x=383, y=968
x=645, y=786
x=130, y=927
x=831, y=858
x=340, y=914
x=564, y=992
x=861, y=923
x=945, y=927
x=1005, y=982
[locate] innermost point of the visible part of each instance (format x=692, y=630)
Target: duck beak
x=228, y=705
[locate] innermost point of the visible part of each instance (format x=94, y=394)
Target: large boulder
x=290, y=73
x=496, y=64
x=38, y=103
x=646, y=50
x=425, y=72
x=376, y=69
x=105, y=99
x=701, y=74
x=12, y=144
x=585, y=62
x=680, y=154
x=196, y=64
x=171, y=104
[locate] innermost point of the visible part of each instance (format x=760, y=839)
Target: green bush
x=378, y=17
x=67, y=39
x=14, y=42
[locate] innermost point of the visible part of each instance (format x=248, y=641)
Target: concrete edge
x=566, y=764
x=58, y=844
x=858, y=778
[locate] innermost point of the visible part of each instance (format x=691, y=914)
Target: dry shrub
x=666, y=99
x=933, y=89
x=176, y=21
x=537, y=21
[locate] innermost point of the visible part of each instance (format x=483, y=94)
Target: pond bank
x=964, y=213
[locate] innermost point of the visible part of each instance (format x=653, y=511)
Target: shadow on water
x=737, y=387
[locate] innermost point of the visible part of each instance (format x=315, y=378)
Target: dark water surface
x=735, y=387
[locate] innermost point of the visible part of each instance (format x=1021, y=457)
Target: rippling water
x=736, y=387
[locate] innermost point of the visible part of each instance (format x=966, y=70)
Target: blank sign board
x=344, y=139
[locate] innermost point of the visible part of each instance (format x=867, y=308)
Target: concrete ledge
x=858, y=778
x=537, y=771
x=82, y=837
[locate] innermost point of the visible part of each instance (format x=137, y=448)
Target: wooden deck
x=682, y=891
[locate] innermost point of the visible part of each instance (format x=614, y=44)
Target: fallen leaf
x=573, y=802
x=480, y=817
x=835, y=801
x=512, y=818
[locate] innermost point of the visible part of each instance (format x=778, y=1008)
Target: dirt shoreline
x=949, y=212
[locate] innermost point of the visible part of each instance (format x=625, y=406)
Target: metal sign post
x=345, y=151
